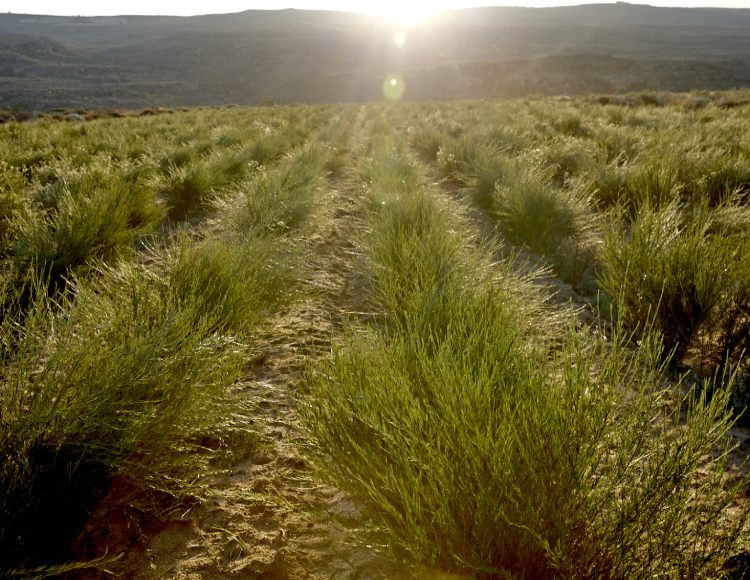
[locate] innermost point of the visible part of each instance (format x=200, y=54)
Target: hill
x=318, y=56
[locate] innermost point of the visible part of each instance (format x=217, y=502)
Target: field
x=470, y=339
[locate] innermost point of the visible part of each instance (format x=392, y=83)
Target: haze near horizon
x=391, y=9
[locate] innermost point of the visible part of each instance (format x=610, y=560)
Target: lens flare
x=399, y=39
x=394, y=87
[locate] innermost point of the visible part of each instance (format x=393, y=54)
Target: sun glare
x=404, y=14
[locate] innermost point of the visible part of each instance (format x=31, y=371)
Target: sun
x=404, y=13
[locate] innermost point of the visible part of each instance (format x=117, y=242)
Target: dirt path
x=268, y=517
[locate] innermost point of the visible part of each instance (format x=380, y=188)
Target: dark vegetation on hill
x=312, y=56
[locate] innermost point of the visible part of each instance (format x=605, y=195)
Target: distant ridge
x=318, y=56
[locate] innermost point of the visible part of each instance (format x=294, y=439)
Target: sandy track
x=268, y=516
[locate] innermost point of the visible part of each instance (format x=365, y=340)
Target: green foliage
x=234, y=283
x=427, y=140
x=190, y=185
x=268, y=148
x=534, y=213
x=563, y=160
x=186, y=188
x=484, y=177
x=126, y=367
x=279, y=198
x=388, y=170
x=607, y=184
x=668, y=269
x=410, y=254
x=92, y=218
x=484, y=453
x=714, y=176
x=457, y=158
x=493, y=460
x=571, y=124
x=487, y=435
x=654, y=185
x=618, y=144
x=75, y=407
x=13, y=204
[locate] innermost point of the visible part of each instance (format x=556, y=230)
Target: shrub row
x=133, y=357
x=485, y=448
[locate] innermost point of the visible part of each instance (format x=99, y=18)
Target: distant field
x=473, y=338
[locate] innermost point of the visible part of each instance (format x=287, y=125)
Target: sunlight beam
x=403, y=14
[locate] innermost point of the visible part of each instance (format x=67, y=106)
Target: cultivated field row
x=334, y=341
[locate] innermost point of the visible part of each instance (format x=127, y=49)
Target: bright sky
x=384, y=7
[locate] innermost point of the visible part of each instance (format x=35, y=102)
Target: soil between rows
x=267, y=516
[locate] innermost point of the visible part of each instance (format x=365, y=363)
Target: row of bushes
x=657, y=216
x=132, y=359
x=489, y=438
x=61, y=218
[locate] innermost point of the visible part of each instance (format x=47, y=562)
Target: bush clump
x=74, y=409
x=278, y=198
x=535, y=213
x=92, y=218
x=233, y=282
x=670, y=269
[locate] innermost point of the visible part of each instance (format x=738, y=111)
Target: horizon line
x=368, y=13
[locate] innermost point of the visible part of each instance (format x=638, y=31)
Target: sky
x=392, y=8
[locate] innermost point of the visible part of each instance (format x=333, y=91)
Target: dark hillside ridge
x=614, y=15
x=292, y=56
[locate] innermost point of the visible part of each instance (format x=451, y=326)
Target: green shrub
x=128, y=364
x=13, y=204
x=460, y=156
x=278, y=198
x=179, y=157
x=410, y=253
x=234, y=283
x=191, y=187
x=607, y=184
x=427, y=140
x=510, y=137
x=127, y=367
x=338, y=129
x=652, y=184
x=269, y=147
x=481, y=457
x=335, y=138
x=482, y=453
x=715, y=176
x=668, y=269
x=563, y=160
x=388, y=170
x=535, y=213
x=484, y=176
x=231, y=165
x=92, y=219
x=733, y=316
x=571, y=124
x=619, y=144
